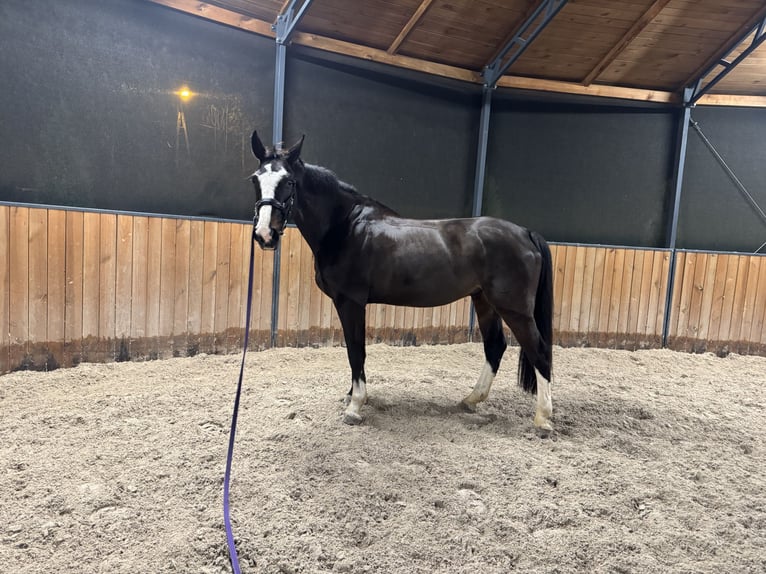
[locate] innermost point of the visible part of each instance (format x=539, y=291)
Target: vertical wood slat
x=73, y=297
x=107, y=286
x=153, y=284
x=123, y=290
x=138, y=311
x=196, y=279
x=222, y=268
x=5, y=288
x=38, y=287
x=56, y=287
x=181, y=285
x=90, y=285
x=167, y=287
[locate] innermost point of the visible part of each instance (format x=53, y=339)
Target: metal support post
x=680, y=162
x=481, y=165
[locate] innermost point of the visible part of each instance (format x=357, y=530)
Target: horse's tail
x=543, y=319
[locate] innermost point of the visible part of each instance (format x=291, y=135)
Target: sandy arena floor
x=657, y=465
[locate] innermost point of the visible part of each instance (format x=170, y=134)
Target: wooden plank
x=615, y=301
x=524, y=83
x=684, y=284
x=716, y=310
x=221, y=15
x=181, y=279
x=19, y=286
x=235, y=312
x=223, y=261
x=652, y=331
x=123, y=287
x=167, y=286
x=209, y=270
x=106, y=287
x=56, y=287
x=306, y=293
x=567, y=295
x=695, y=303
x=138, y=309
x=263, y=296
x=559, y=255
x=413, y=21
x=645, y=293
x=90, y=285
x=595, y=297
x=153, y=286
x=38, y=287
x=5, y=288
x=639, y=25
x=74, y=274
x=578, y=281
x=706, y=305
x=583, y=321
x=195, y=281
x=663, y=294
x=738, y=302
x=631, y=327
x=757, y=329
x=749, y=303
x=625, y=299
x=606, y=296
x=729, y=292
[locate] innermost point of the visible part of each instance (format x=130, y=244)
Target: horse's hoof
x=467, y=407
x=543, y=427
x=352, y=419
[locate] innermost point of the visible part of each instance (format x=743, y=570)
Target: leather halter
x=284, y=208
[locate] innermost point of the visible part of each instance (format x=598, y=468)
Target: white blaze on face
x=269, y=181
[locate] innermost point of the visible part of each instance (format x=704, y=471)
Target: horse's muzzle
x=269, y=243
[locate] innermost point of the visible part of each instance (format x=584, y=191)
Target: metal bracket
x=519, y=42
x=760, y=36
x=288, y=20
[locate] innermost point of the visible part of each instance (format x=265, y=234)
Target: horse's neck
x=323, y=204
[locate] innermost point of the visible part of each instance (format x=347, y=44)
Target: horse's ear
x=295, y=152
x=258, y=150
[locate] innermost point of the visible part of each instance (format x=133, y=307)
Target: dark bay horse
x=365, y=253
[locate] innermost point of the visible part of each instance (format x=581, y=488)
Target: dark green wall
x=406, y=139
x=89, y=117
x=581, y=173
x=714, y=214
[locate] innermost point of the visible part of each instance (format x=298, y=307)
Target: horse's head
x=276, y=182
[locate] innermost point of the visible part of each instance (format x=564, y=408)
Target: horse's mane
x=325, y=179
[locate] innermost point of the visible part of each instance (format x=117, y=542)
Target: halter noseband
x=284, y=208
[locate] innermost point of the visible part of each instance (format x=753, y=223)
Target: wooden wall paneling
x=626, y=295
x=558, y=254
x=757, y=336
x=309, y=294
x=138, y=308
x=239, y=259
x=652, y=331
x=288, y=314
x=592, y=332
x=283, y=292
x=615, y=300
x=5, y=288
x=194, y=288
x=222, y=268
x=684, y=272
x=606, y=297
x=181, y=287
x=19, y=286
x=123, y=289
x=691, y=336
x=167, y=286
x=586, y=294
x=91, y=285
x=38, y=288
x=738, y=302
x=645, y=289
x=56, y=287
x=209, y=270
x=153, y=286
x=260, y=336
x=567, y=297
x=716, y=309
x=706, y=303
x=729, y=292
x=630, y=337
x=578, y=285
x=73, y=296
x=749, y=303
x=106, y=287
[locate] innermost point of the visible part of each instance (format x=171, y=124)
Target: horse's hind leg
x=533, y=348
x=491, y=326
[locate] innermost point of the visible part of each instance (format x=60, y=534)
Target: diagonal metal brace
x=288, y=20
x=524, y=36
x=758, y=38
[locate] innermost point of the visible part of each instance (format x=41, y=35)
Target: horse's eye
x=291, y=183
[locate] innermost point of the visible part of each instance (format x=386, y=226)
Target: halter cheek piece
x=284, y=208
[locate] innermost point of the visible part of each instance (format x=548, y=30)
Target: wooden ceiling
x=636, y=49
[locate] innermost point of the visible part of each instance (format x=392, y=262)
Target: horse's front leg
x=352, y=319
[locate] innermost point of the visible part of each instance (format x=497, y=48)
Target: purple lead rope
x=230, y=455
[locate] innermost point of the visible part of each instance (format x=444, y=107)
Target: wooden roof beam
x=638, y=27
x=220, y=15
x=414, y=19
